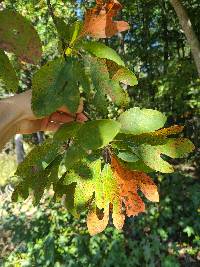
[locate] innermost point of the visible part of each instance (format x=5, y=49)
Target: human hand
x=29, y=123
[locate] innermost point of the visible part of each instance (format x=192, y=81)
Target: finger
x=44, y=124
x=29, y=127
x=60, y=117
x=53, y=126
x=81, y=117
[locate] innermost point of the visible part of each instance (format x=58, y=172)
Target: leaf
x=174, y=148
x=121, y=74
x=129, y=183
x=73, y=155
x=18, y=36
x=100, y=50
x=67, y=131
x=97, y=134
x=68, y=32
x=107, y=195
x=158, y=137
x=128, y=157
x=8, y=82
x=57, y=81
x=94, y=224
x=34, y=171
x=40, y=168
x=138, y=121
x=103, y=85
x=99, y=22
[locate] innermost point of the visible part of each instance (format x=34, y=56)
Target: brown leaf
x=99, y=20
x=95, y=224
x=129, y=183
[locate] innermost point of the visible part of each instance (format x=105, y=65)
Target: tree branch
x=188, y=30
x=50, y=9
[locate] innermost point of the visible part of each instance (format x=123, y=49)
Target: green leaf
x=18, y=36
x=102, y=51
x=74, y=154
x=68, y=33
x=137, y=166
x=64, y=31
x=8, y=77
x=158, y=137
x=103, y=85
x=55, y=85
x=85, y=183
x=127, y=156
x=67, y=131
x=174, y=148
x=35, y=160
x=37, y=171
x=97, y=134
x=138, y=121
x=121, y=74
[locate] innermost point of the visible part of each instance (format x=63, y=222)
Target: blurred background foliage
x=168, y=235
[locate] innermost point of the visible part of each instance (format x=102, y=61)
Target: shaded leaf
x=67, y=131
x=18, y=36
x=97, y=134
x=57, y=81
x=73, y=155
x=8, y=82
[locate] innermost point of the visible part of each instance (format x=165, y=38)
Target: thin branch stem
x=50, y=9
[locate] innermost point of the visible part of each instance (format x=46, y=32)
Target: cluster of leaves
x=167, y=236
x=98, y=165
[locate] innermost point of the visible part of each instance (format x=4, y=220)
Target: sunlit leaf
x=102, y=51
x=99, y=22
x=138, y=121
x=129, y=183
x=174, y=148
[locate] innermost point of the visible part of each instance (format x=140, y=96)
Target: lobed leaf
x=18, y=36
x=174, y=148
x=99, y=22
x=56, y=84
x=129, y=183
x=103, y=85
x=121, y=74
x=100, y=50
x=138, y=121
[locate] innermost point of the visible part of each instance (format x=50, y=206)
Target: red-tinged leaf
x=129, y=183
x=17, y=35
x=99, y=20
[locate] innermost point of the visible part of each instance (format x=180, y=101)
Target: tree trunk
x=188, y=30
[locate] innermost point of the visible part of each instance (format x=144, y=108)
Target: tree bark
x=188, y=31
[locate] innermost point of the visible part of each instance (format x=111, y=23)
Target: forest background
x=155, y=48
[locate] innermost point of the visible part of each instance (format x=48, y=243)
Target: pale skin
x=16, y=116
